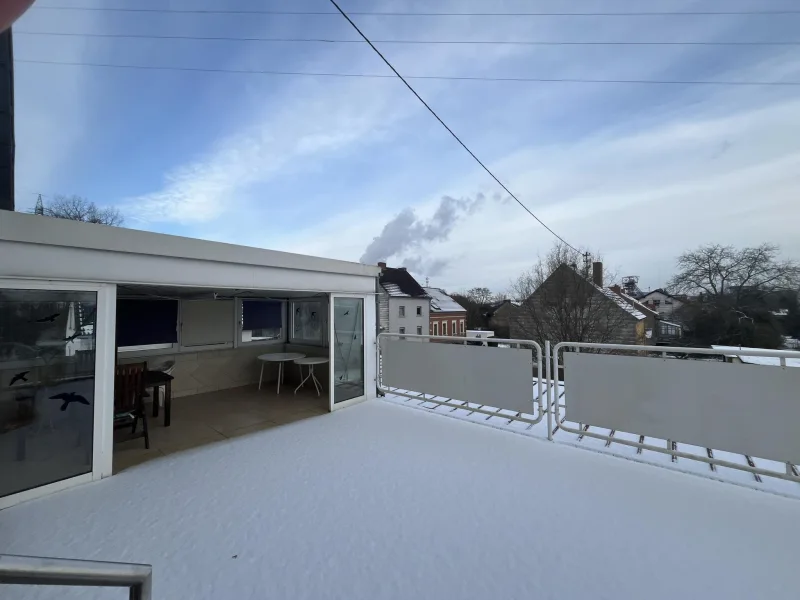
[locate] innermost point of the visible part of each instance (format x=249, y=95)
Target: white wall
x=411, y=321
x=663, y=309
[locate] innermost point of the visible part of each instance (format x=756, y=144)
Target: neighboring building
x=448, y=317
x=664, y=303
x=403, y=304
x=498, y=316
x=569, y=305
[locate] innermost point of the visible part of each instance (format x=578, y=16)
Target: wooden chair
x=129, y=399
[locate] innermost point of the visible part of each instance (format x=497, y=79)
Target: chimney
x=382, y=265
x=597, y=274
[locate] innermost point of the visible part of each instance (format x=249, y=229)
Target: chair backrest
x=128, y=386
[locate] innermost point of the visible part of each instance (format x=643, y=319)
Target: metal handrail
x=39, y=570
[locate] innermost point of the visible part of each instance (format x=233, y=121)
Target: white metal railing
x=37, y=570
x=486, y=343
x=554, y=409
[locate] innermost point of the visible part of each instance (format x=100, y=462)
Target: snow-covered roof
x=671, y=323
x=771, y=361
x=394, y=290
x=622, y=303
x=441, y=302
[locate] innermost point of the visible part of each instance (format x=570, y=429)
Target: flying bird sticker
x=69, y=398
x=21, y=376
x=48, y=319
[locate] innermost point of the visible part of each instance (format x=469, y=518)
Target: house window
x=462, y=326
x=419, y=311
x=147, y=324
x=454, y=330
x=261, y=321
x=419, y=329
x=309, y=320
x=444, y=327
x=402, y=310
x=656, y=303
x=402, y=330
x=669, y=302
x=435, y=328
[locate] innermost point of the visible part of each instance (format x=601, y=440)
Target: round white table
x=310, y=361
x=280, y=358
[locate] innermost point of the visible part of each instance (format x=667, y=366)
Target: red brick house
x=448, y=317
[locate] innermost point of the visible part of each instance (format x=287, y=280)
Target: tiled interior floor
x=215, y=416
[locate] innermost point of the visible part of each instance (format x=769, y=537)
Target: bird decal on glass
x=21, y=376
x=73, y=337
x=347, y=312
x=69, y=398
x=48, y=319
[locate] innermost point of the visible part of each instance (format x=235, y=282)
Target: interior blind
x=207, y=322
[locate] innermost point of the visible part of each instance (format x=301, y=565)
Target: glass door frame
x=103, y=432
x=369, y=357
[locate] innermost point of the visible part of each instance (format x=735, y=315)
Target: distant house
x=403, y=305
x=498, y=316
x=448, y=317
x=661, y=301
x=568, y=305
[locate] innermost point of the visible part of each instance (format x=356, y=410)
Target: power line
x=339, y=41
x=450, y=131
x=426, y=14
x=420, y=77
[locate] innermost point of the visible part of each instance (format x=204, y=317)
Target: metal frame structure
x=663, y=350
x=471, y=341
x=38, y=570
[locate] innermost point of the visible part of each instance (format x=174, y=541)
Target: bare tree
x=559, y=302
x=733, y=277
x=480, y=295
x=76, y=208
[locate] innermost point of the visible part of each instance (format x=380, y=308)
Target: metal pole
x=549, y=398
x=38, y=570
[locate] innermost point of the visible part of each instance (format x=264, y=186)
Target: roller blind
x=207, y=322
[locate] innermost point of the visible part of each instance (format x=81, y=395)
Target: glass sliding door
x=347, y=346
x=47, y=386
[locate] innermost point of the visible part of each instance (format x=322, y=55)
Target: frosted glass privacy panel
x=47, y=369
x=747, y=409
x=499, y=377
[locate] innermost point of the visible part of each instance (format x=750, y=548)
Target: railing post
x=548, y=381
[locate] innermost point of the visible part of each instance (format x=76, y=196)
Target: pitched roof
x=660, y=291
x=399, y=282
x=621, y=302
x=637, y=304
x=441, y=302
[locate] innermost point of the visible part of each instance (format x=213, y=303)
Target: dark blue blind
x=142, y=322
x=261, y=314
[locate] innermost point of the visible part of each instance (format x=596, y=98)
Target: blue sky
x=323, y=165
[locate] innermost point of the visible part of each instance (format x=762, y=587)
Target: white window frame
x=401, y=330
x=401, y=311
x=462, y=326
x=454, y=329
x=153, y=349
x=325, y=326
x=419, y=329
x=444, y=327
x=103, y=425
x=237, y=339
x=419, y=311
x=436, y=328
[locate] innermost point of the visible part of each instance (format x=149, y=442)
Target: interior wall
x=212, y=370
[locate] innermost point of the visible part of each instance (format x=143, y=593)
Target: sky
x=325, y=165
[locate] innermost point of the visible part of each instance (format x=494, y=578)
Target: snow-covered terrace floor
x=381, y=501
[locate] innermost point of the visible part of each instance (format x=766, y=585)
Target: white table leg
x=317, y=384
x=261, y=375
x=280, y=375
x=310, y=374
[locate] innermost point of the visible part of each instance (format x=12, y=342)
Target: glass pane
x=348, y=351
x=307, y=322
x=47, y=358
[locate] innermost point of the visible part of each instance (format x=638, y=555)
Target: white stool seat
x=312, y=360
